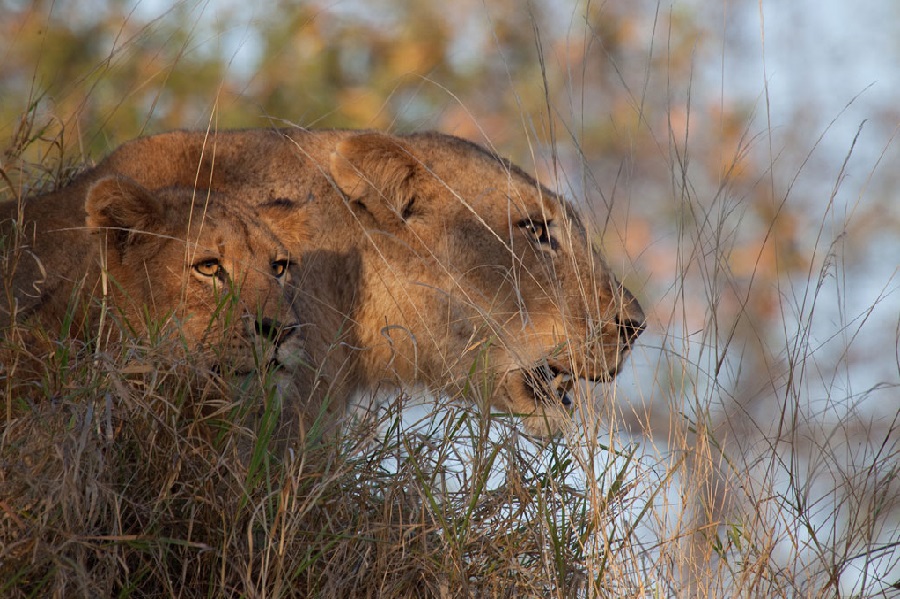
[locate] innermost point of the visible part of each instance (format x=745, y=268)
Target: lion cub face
x=199, y=263
x=477, y=279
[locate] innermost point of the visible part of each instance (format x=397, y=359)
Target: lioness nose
x=629, y=329
x=630, y=320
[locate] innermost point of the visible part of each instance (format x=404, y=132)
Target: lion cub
x=197, y=261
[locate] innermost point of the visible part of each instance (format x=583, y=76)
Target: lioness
x=430, y=260
x=169, y=254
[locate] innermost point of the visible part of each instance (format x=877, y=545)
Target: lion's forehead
x=239, y=241
x=491, y=188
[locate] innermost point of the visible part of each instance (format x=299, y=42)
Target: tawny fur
x=107, y=239
x=428, y=261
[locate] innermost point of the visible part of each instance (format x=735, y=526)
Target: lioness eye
x=540, y=231
x=279, y=267
x=211, y=267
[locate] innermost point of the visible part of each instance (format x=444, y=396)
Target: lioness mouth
x=549, y=384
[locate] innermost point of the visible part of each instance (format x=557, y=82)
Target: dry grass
x=127, y=472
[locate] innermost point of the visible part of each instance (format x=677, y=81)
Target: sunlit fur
x=197, y=265
x=429, y=261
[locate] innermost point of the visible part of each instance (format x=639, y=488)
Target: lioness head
x=201, y=262
x=475, y=279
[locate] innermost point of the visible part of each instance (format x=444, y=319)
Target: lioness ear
x=378, y=171
x=122, y=207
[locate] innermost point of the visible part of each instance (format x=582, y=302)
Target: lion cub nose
x=272, y=330
x=267, y=327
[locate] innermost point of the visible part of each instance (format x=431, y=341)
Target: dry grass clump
x=105, y=457
x=129, y=473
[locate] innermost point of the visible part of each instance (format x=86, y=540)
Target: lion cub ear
x=378, y=171
x=121, y=207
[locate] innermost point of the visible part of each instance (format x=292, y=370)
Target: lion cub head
x=200, y=262
x=476, y=280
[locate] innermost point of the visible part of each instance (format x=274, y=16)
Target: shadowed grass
x=130, y=475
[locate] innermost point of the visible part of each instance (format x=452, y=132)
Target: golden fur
x=430, y=261
x=196, y=261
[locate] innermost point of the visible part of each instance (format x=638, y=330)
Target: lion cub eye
x=279, y=267
x=539, y=231
x=210, y=267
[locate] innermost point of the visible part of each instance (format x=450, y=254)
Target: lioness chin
x=424, y=259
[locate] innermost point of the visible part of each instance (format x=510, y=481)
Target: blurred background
x=736, y=159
